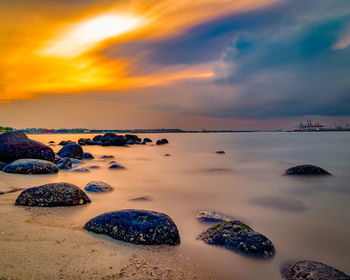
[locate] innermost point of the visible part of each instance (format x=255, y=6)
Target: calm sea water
x=305, y=218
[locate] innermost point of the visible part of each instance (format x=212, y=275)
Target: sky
x=224, y=64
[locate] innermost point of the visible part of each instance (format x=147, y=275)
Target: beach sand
x=37, y=244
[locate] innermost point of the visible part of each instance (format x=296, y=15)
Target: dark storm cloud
x=282, y=59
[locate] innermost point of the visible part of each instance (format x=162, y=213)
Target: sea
x=306, y=218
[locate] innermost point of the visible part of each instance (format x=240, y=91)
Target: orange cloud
x=42, y=52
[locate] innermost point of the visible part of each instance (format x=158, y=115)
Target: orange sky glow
x=56, y=48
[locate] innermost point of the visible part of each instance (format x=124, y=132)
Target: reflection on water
x=240, y=183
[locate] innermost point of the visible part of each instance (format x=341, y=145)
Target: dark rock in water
x=306, y=170
x=88, y=156
x=140, y=198
x=2, y=165
x=310, y=270
x=57, y=159
x=16, y=145
x=68, y=142
x=72, y=151
x=116, y=166
x=80, y=170
x=75, y=161
x=112, y=161
x=52, y=195
x=97, y=138
x=130, y=142
x=106, y=157
x=94, y=166
x=51, y=142
x=118, y=140
x=82, y=141
x=220, y=152
x=31, y=166
x=213, y=217
x=98, y=187
x=111, y=139
x=167, y=155
x=162, y=141
x=136, y=226
x=134, y=138
x=64, y=163
x=240, y=238
x=106, y=144
x=147, y=140
x=279, y=203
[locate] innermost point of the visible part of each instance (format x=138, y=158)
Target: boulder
x=311, y=270
x=213, y=217
x=16, y=145
x=167, y=155
x=106, y=157
x=135, y=139
x=94, y=167
x=2, y=165
x=136, y=226
x=162, y=141
x=116, y=166
x=52, y=195
x=64, y=163
x=147, y=140
x=118, y=140
x=306, y=170
x=31, y=166
x=240, y=238
x=98, y=187
x=83, y=141
x=75, y=161
x=72, y=151
x=80, y=170
x=88, y=156
x=51, y=142
x=220, y=152
x=68, y=142
x=97, y=138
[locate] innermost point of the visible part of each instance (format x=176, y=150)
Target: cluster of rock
x=112, y=139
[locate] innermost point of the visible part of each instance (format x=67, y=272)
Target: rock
x=240, y=238
x=88, y=156
x=213, y=217
x=94, y=166
x=2, y=165
x=167, y=155
x=80, y=170
x=16, y=145
x=130, y=142
x=75, y=161
x=31, y=166
x=72, y=151
x=111, y=139
x=82, y=141
x=306, y=170
x=311, y=270
x=134, y=138
x=97, y=138
x=64, y=163
x=279, y=203
x=106, y=157
x=136, y=226
x=68, y=142
x=116, y=166
x=57, y=159
x=51, y=142
x=52, y=195
x=147, y=140
x=220, y=152
x=98, y=187
x=112, y=161
x=140, y=198
x=162, y=141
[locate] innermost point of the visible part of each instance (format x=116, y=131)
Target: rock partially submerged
x=107, y=157
x=82, y=169
x=147, y=140
x=220, y=152
x=16, y=145
x=306, y=170
x=64, y=163
x=98, y=187
x=136, y=226
x=31, y=166
x=240, y=238
x=311, y=270
x=68, y=142
x=52, y=195
x=72, y=151
x=88, y=156
x=116, y=166
x=162, y=141
x=213, y=217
